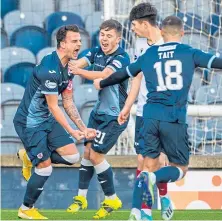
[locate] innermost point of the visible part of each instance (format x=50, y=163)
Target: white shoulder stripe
x=210, y=61
x=128, y=72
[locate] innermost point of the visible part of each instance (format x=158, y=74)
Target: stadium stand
x=17, y=19
x=86, y=101
x=4, y=39
x=43, y=53
x=31, y=37
x=213, y=23
x=14, y=55
x=58, y=19
x=11, y=95
x=83, y=8
x=19, y=73
x=41, y=7
x=8, y=5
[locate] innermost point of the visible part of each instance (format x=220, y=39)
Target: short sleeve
x=202, y=59
x=119, y=62
x=48, y=82
x=89, y=57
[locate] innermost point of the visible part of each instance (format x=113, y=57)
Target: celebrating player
x=143, y=19
x=168, y=71
x=107, y=58
x=41, y=124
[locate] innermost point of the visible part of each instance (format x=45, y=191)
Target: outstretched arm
x=73, y=113
x=90, y=75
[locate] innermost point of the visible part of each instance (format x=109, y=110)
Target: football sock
x=137, y=194
x=86, y=172
x=35, y=185
x=105, y=177
x=162, y=187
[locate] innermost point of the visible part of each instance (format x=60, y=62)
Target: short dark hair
x=172, y=21
x=61, y=33
x=144, y=11
x=111, y=24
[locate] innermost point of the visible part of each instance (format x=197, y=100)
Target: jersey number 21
x=168, y=85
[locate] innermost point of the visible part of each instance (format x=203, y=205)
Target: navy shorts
x=138, y=126
x=40, y=142
x=108, y=132
x=171, y=138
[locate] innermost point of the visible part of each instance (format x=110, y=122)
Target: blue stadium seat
x=19, y=73
x=15, y=55
x=41, y=7
x=8, y=5
x=17, y=19
x=84, y=38
x=59, y=19
x=43, y=53
x=213, y=23
x=31, y=37
x=95, y=39
x=191, y=20
x=4, y=39
x=93, y=21
x=83, y=8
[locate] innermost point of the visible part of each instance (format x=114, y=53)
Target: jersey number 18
x=168, y=85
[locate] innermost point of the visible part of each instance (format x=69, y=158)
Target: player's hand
x=77, y=134
x=97, y=83
x=73, y=68
x=90, y=133
x=123, y=115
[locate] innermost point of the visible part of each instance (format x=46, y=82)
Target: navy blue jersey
x=168, y=71
x=111, y=99
x=49, y=77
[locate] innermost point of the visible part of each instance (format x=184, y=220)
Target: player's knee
x=74, y=158
x=44, y=171
x=86, y=152
x=140, y=161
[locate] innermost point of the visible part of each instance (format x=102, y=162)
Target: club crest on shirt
x=40, y=155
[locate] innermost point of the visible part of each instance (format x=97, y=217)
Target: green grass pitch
x=118, y=215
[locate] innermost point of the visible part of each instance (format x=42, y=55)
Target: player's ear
x=162, y=32
x=62, y=44
x=182, y=33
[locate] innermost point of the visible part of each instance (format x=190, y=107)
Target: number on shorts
x=99, y=137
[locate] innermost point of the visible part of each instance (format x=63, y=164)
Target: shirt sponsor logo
x=117, y=64
x=50, y=85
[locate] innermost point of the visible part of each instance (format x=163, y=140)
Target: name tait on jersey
x=166, y=54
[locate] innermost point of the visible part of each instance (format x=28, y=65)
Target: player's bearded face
x=72, y=44
x=109, y=40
